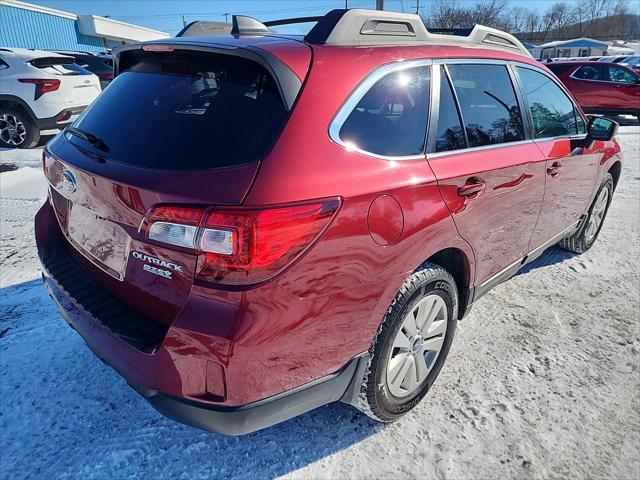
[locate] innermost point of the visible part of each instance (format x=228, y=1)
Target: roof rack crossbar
x=291, y=21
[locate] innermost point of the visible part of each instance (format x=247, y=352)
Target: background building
x=31, y=26
x=578, y=47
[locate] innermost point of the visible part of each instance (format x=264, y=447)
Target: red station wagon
x=247, y=227
x=601, y=87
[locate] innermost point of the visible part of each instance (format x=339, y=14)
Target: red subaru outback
x=247, y=227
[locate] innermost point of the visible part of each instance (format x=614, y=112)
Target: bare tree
x=591, y=18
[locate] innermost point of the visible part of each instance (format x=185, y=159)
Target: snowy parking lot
x=542, y=381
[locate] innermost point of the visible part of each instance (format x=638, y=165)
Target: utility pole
x=346, y=4
x=226, y=17
x=417, y=7
x=184, y=23
x=379, y=4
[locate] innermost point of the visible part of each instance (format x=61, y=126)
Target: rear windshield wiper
x=89, y=138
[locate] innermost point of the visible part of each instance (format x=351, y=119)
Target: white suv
x=40, y=91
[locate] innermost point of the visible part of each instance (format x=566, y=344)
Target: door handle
x=472, y=189
x=554, y=170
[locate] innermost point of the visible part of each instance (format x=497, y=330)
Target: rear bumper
x=234, y=420
x=169, y=366
x=60, y=120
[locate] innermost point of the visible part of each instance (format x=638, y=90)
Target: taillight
x=42, y=85
x=105, y=76
x=241, y=245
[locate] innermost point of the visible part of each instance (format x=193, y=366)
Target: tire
x=433, y=288
x=587, y=234
x=17, y=130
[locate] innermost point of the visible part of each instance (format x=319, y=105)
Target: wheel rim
x=12, y=130
x=417, y=346
x=597, y=214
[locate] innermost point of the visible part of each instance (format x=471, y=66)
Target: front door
x=490, y=177
x=625, y=89
x=571, y=171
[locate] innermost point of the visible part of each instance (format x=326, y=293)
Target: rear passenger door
x=558, y=130
x=590, y=84
x=490, y=173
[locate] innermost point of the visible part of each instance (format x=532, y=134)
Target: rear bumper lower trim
x=254, y=416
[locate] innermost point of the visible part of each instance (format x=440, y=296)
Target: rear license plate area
x=101, y=241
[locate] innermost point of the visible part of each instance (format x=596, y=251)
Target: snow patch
x=23, y=184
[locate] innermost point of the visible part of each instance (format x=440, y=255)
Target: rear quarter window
x=186, y=110
x=391, y=118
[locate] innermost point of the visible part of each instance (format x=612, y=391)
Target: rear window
x=59, y=66
x=592, y=72
x=186, y=110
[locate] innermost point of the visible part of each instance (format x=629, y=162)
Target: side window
x=552, y=110
x=558, y=69
x=449, y=134
x=3, y=65
x=620, y=75
x=488, y=102
x=391, y=118
x=591, y=72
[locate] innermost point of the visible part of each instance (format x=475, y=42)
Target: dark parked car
x=601, y=87
x=283, y=222
x=98, y=64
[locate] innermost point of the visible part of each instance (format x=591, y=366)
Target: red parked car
x=601, y=87
x=247, y=227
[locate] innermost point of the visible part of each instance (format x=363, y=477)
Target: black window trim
x=435, y=105
x=361, y=90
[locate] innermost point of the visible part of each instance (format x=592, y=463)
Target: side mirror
x=601, y=128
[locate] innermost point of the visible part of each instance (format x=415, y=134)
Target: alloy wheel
x=12, y=130
x=597, y=214
x=417, y=346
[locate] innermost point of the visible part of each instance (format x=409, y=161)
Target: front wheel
x=585, y=237
x=411, y=345
x=17, y=130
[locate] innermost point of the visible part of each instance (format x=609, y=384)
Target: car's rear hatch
x=175, y=128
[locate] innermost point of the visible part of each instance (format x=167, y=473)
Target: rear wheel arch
x=457, y=263
x=9, y=101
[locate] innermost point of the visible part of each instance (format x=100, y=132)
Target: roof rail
x=376, y=27
x=361, y=27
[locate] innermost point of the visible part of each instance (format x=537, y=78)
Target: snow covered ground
x=543, y=379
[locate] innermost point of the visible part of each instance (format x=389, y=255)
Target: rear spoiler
x=288, y=82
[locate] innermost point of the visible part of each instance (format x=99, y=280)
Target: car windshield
x=187, y=111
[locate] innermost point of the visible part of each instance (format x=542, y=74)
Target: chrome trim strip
x=359, y=92
x=526, y=259
x=476, y=149
x=553, y=241
x=496, y=276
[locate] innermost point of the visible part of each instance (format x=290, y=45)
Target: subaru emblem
x=68, y=182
